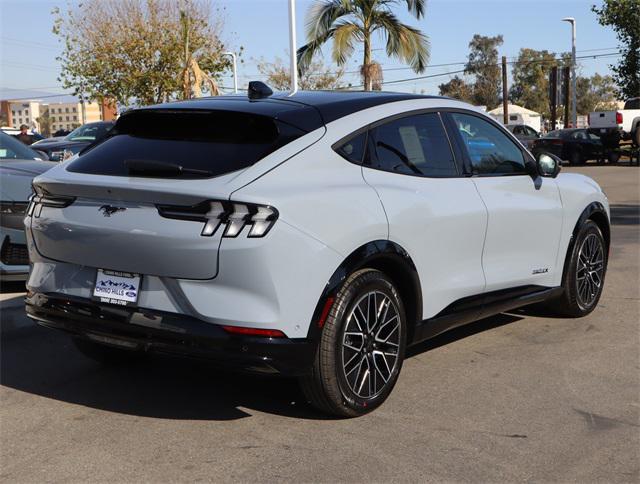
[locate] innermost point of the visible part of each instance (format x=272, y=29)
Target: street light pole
x=292, y=46
x=574, y=116
x=235, y=72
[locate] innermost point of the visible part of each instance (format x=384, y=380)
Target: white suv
x=315, y=235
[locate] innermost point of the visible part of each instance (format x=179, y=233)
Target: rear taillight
x=557, y=142
x=618, y=118
x=234, y=216
x=264, y=333
x=43, y=199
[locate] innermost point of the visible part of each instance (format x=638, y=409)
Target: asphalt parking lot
x=517, y=397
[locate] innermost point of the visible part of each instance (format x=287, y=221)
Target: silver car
x=18, y=166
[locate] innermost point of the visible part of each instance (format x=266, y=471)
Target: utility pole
x=567, y=94
x=553, y=96
x=292, y=46
x=235, y=72
x=574, y=117
x=505, y=96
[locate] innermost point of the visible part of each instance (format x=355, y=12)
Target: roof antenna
x=258, y=90
x=292, y=47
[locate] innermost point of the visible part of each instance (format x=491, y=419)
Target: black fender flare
x=601, y=214
x=375, y=254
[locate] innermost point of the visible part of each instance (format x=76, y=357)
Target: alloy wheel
x=370, y=344
x=590, y=270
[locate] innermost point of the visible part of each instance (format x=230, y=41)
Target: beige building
x=68, y=116
x=25, y=112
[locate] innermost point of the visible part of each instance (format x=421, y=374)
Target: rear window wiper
x=161, y=168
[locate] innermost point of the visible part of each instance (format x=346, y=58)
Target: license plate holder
x=117, y=288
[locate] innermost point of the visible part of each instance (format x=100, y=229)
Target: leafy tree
x=595, y=93
x=349, y=21
x=457, y=88
x=315, y=77
x=530, y=74
x=483, y=64
x=134, y=50
x=624, y=17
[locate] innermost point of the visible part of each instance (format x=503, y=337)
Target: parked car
x=613, y=126
x=317, y=234
x=60, y=148
x=526, y=134
x=576, y=146
x=18, y=165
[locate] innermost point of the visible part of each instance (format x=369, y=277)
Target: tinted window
x=632, y=103
x=581, y=135
x=12, y=149
x=202, y=143
x=530, y=131
x=353, y=150
x=415, y=145
x=89, y=132
x=491, y=151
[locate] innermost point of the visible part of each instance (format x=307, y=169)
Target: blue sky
x=28, y=48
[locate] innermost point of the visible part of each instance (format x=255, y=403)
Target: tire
x=105, y=354
x=339, y=383
x=636, y=137
x=575, y=158
x=586, y=264
x=613, y=156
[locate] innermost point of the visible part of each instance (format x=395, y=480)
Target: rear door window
x=413, y=145
x=202, y=144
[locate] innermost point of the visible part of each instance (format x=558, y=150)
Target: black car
x=525, y=134
x=575, y=146
x=75, y=141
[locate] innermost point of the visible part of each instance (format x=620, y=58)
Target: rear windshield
x=202, y=144
x=632, y=103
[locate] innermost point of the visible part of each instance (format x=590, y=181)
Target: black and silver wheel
x=590, y=270
x=584, y=273
x=361, y=347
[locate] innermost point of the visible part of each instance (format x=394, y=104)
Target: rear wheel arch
x=389, y=258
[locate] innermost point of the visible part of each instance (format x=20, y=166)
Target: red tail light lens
x=264, y=333
x=618, y=118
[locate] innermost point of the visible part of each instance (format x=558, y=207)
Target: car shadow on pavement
x=625, y=214
x=43, y=362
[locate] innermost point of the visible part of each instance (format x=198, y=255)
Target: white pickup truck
x=613, y=126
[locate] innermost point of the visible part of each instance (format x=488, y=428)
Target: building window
x=67, y=118
x=20, y=112
x=26, y=112
x=13, y=113
x=74, y=110
x=66, y=110
x=75, y=118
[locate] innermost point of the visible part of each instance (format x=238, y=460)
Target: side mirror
x=548, y=165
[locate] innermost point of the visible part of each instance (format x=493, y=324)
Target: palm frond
x=322, y=15
x=403, y=41
x=344, y=36
x=417, y=7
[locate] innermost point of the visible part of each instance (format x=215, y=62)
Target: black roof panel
x=301, y=108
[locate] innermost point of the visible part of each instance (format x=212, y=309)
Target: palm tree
x=351, y=21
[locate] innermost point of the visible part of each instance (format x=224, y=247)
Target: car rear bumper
x=159, y=332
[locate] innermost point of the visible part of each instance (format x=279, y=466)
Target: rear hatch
x=107, y=208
